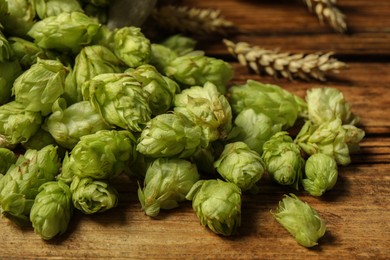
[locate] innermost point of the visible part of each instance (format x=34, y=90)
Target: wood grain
x=356, y=210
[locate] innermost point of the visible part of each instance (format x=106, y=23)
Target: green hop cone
x=19, y=186
x=52, y=209
x=278, y=104
x=39, y=86
x=254, y=129
x=5, y=49
x=208, y=108
x=168, y=135
x=180, y=44
x=92, y=61
x=101, y=155
x=131, y=46
x=7, y=158
x=167, y=182
x=46, y=8
x=119, y=99
x=161, y=56
x=68, y=124
x=301, y=220
x=64, y=32
x=283, y=160
x=9, y=71
x=320, y=174
x=20, y=17
x=327, y=104
x=17, y=125
x=196, y=70
x=330, y=138
x=240, y=165
x=158, y=89
x=93, y=196
x=217, y=205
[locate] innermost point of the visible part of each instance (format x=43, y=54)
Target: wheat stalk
x=195, y=21
x=283, y=64
x=327, y=12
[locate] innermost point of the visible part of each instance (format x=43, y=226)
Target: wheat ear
x=283, y=64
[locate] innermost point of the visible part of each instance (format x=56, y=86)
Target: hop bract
x=168, y=135
x=283, y=159
x=17, y=124
x=131, y=46
x=278, y=104
x=119, y=99
x=320, y=174
x=196, y=70
x=5, y=48
x=92, y=61
x=166, y=183
x=240, y=165
x=331, y=138
x=9, y=71
x=254, y=129
x=20, y=184
x=301, y=220
x=64, y=32
x=158, y=89
x=46, y=8
x=39, y=86
x=327, y=104
x=217, y=205
x=92, y=196
x=101, y=155
x=208, y=108
x=52, y=209
x=68, y=124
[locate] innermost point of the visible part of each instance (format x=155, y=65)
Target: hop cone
x=20, y=184
x=27, y=52
x=40, y=139
x=254, y=129
x=330, y=138
x=131, y=46
x=64, y=32
x=39, y=86
x=5, y=48
x=167, y=182
x=17, y=125
x=90, y=62
x=217, y=205
x=46, y=8
x=283, y=160
x=52, y=209
x=119, y=99
x=301, y=220
x=20, y=18
x=101, y=155
x=206, y=107
x=158, y=89
x=320, y=174
x=273, y=101
x=68, y=124
x=180, y=44
x=240, y=165
x=327, y=104
x=92, y=196
x=168, y=135
x=196, y=70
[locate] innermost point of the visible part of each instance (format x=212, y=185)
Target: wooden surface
x=356, y=210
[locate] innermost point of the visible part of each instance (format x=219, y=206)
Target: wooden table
x=356, y=210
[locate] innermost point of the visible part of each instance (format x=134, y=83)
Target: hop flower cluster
x=112, y=102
